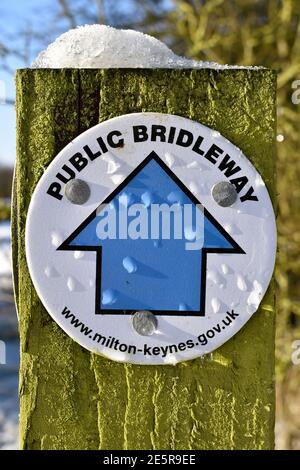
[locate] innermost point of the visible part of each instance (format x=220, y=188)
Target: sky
x=14, y=14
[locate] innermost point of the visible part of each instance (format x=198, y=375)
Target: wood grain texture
x=73, y=399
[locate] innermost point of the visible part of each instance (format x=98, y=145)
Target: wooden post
x=73, y=399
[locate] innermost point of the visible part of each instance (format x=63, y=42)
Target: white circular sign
x=151, y=239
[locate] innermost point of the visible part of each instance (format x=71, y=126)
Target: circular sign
x=151, y=239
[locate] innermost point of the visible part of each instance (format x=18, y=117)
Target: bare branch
x=100, y=11
x=67, y=12
x=9, y=102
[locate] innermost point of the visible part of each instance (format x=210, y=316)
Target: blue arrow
x=151, y=273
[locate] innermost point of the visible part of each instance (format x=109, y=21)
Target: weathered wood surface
x=73, y=399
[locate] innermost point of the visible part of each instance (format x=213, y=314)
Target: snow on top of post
x=100, y=46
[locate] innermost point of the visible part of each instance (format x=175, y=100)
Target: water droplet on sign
x=50, y=271
x=193, y=164
x=112, y=165
x=130, y=264
x=215, y=303
x=193, y=187
x=169, y=159
x=225, y=269
x=117, y=179
x=108, y=297
x=174, y=197
x=241, y=283
x=147, y=198
x=71, y=283
x=183, y=307
x=56, y=239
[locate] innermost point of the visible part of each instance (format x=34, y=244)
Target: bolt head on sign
x=158, y=239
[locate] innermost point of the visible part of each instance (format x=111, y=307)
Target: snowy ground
x=9, y=406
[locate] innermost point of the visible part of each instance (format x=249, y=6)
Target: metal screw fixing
x=77, y=191
x=224, y=193
x=144, y=323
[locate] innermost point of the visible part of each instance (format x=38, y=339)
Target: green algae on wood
x=73, y=399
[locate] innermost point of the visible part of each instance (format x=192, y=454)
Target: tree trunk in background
x=73, y=399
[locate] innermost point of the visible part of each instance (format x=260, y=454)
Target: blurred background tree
x=6, y=175
x=244, y=32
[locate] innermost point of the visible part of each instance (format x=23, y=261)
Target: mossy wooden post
x=72, y=399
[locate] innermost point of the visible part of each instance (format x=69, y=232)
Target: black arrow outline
x=236, y=249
